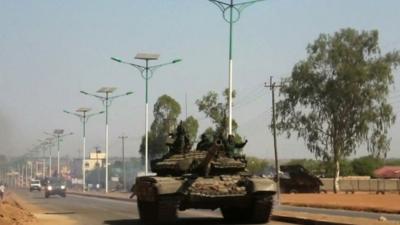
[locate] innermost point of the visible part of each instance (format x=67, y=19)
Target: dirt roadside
x=15, y=211
x=370, y=202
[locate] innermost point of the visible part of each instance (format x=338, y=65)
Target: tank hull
x=160, y=197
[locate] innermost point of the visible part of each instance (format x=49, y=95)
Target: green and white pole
x=58, y=155
x=144, y=72
x=107, y=104
x=83, y=117
x=146, y=163
x=228, y=10
x=50, y=159
x=230, y=68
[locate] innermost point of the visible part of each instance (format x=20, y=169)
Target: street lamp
x=43, y=148
x=59, y=134
x=144, y=71
x=123, y=137
x=84, y=117
x=47, y=144
x=231, y=14
x=107, y=100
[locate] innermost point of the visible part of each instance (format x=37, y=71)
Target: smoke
x=6, y=134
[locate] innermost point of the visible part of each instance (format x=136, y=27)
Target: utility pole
x=272, y=87
x=123, y=159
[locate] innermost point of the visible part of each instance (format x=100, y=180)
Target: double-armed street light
x=43, y=148
x=58, y=134
x=82, y=114
x=106, y=100
x=47, y=145
x=144, y=71
x=231, y=13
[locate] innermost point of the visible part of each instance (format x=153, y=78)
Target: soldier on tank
x=205, y=143
x=182, y=143
x=232, y=149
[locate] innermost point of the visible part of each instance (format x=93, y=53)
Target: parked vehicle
x=297, y=179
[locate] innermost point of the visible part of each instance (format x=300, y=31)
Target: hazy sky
x=50, y=50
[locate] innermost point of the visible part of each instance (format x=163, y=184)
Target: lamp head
x=116, y=60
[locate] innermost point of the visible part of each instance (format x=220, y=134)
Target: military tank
x=205, y=178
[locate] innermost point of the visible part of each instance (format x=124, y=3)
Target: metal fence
x=364, y=185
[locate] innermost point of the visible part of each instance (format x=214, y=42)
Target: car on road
x=35, y=185
x=55, y=186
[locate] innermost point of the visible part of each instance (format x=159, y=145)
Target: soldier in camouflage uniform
x=181, y=143
x=205, y=143
x=232, y=149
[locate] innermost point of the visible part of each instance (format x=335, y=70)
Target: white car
x=35, y=185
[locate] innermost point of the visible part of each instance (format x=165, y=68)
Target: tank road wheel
x=258, y=212
x=157, y=212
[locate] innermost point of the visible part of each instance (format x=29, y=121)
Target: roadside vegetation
x=336, y=100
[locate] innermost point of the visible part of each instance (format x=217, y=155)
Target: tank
x=297, y=179
x=211, y=177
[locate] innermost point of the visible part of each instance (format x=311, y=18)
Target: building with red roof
x=388, y=172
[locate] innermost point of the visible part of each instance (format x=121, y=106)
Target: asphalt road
x=94, y=211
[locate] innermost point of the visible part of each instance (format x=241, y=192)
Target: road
x=95, y=211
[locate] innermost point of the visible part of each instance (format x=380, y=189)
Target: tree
x=336, y=99
x=191, y=125
x=314, y=166
x=345, y=167
x=256, y=165
x=365, y=166
x=166, y=112
x=392, y=162
x=216, y=110
x=3, y=159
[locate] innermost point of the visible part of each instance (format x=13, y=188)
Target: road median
x=113, y=195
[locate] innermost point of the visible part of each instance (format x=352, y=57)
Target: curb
x=299, y=220
x=102, y=196
x=360, y=209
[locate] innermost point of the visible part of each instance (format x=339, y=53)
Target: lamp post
x=49, y=144
x=58, y=134
x=84, y=117
x=123, y=137
x=107, y=100
x=231, y=13
x=144, y=71
x=42, y=147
